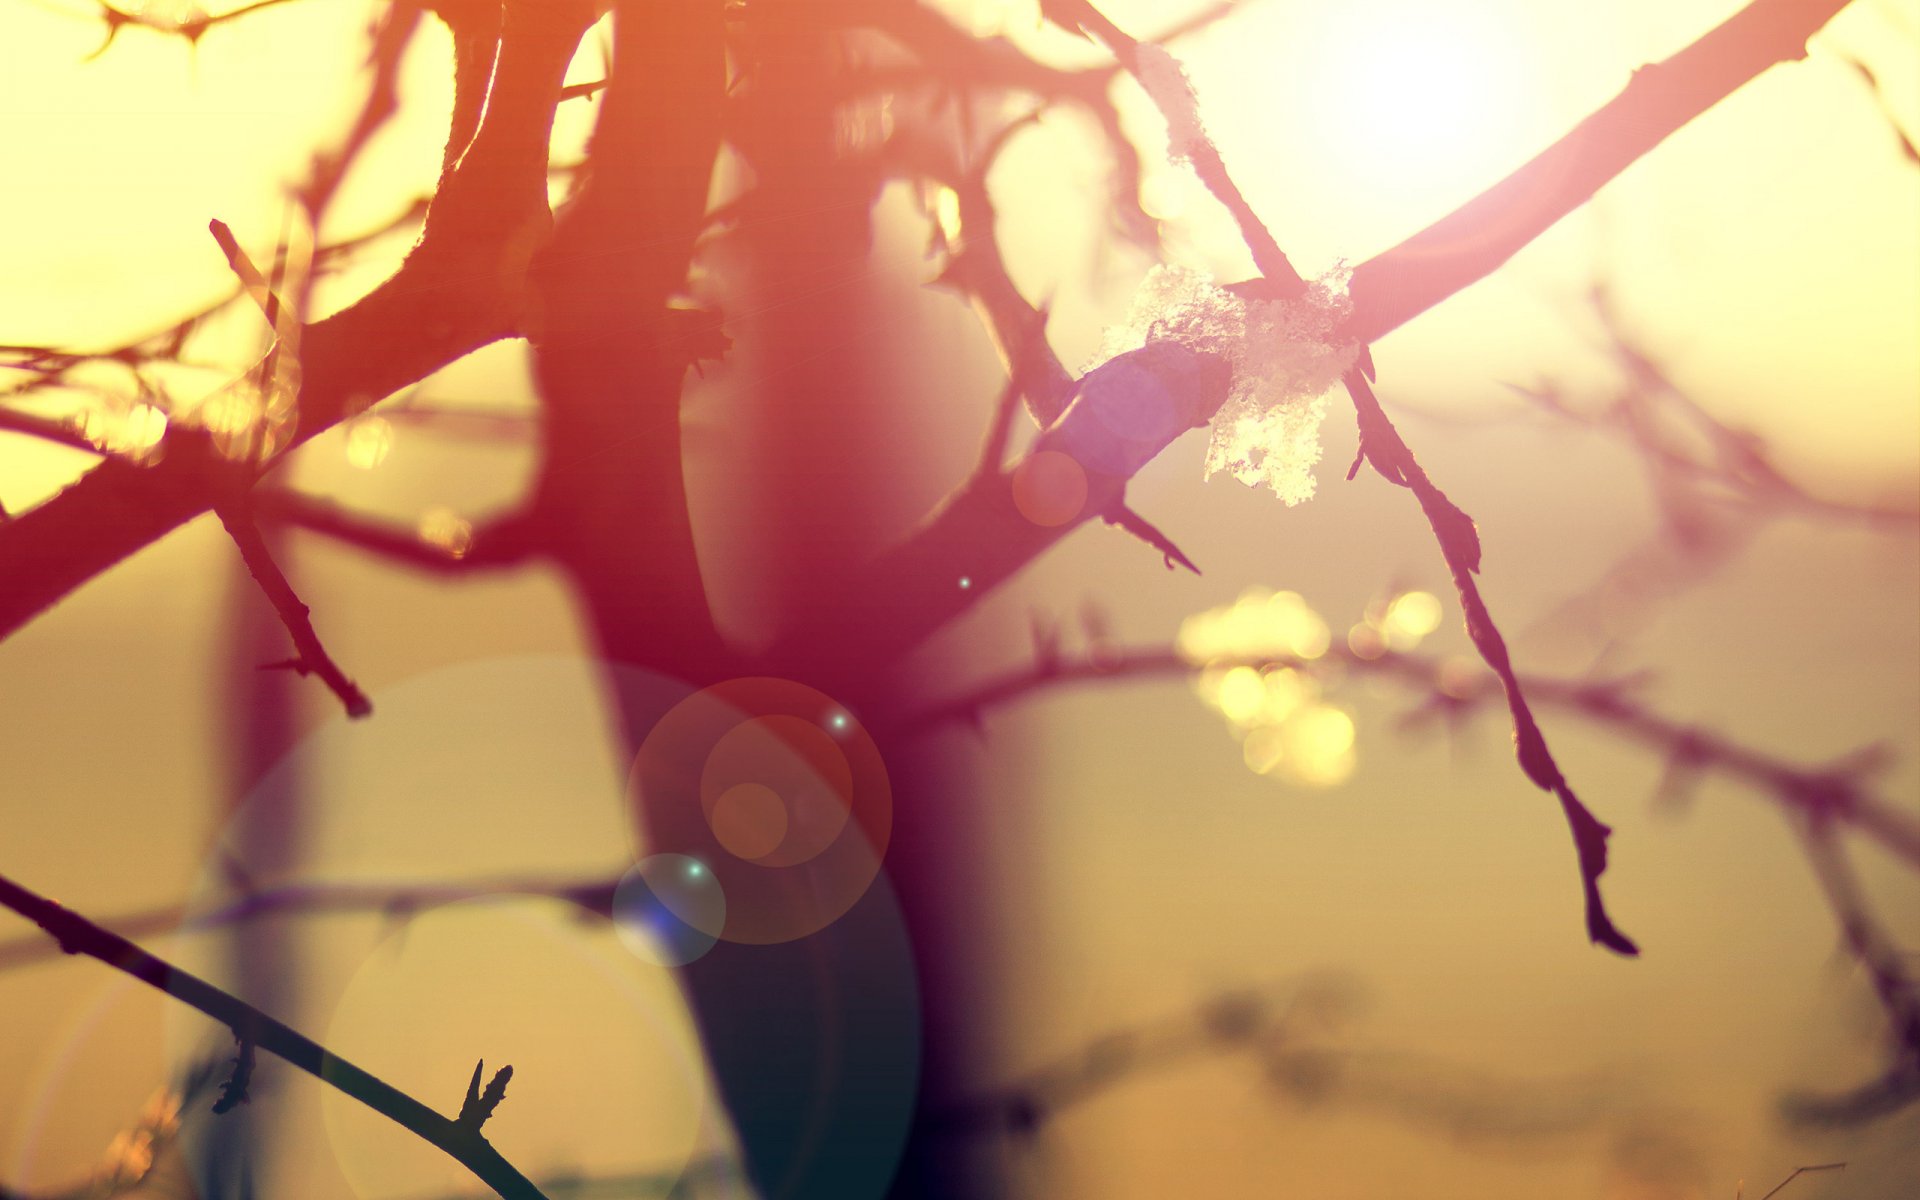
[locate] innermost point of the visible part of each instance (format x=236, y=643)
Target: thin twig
x=77, y=935
x=1166, y=83
x=1798, y=1172
x=505, y=542
x=398, y=900
x=237, y=516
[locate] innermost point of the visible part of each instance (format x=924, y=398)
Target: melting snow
x=1285, y=358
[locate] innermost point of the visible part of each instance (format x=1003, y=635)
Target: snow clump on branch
x=1285, y=356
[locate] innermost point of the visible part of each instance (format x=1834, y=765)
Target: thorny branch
x=192, y=25
x=312, y=657
x=464, y=1143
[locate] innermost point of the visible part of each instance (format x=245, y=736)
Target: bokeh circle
x=778, y=791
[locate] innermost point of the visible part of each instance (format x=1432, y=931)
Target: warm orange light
x=1415, y=91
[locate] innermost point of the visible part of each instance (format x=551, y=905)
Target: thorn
x=1132, y=522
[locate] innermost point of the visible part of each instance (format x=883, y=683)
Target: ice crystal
x=1285, y=355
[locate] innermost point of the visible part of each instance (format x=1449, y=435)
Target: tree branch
x=1466, y=245
x=593, y=896
x=1814, y=798
x=77, y=935
x=1128, y=409
x=462, y=287
x=506, y=542
x=313, y=658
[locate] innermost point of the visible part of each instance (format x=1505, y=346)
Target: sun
x=1412, y=92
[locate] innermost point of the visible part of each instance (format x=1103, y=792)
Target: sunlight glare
x=369, y=438
x=1417, y=91
x=448, y=530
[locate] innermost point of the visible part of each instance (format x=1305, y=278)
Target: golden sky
x=1769, y=254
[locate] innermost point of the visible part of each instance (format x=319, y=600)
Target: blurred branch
x=1813, y=796
x=1841, y=793
x=506, y=542
x=393, y=32
x=1660, y=419
x=192, y=23
x=721, y=1171
x=1886, y=967
x=1714, y=484
x=60, y=433
x=1166, y=83
x=397, y=901
x=1290, y=1035
x=145, y=1155
x=1238, y=1021
x=76, y=935
x=1867, y=75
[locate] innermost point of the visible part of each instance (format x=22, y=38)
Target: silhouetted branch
x=1399, y=284
x=236, y=515
x=1459, y=541
x=979, y=537
x=1797, y=1173
x=76, y=935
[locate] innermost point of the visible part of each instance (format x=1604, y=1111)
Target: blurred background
x=1389, y=907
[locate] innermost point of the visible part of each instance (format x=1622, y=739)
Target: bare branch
x=1798, y=1172
x=313, y=658
x=1399, y=284
x=60, y=433
x=509, y=541
x=76, y=935
x=593, y=896
x=463, y=286
x=1813, y=797
x=191, y=27
x=978, y=537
